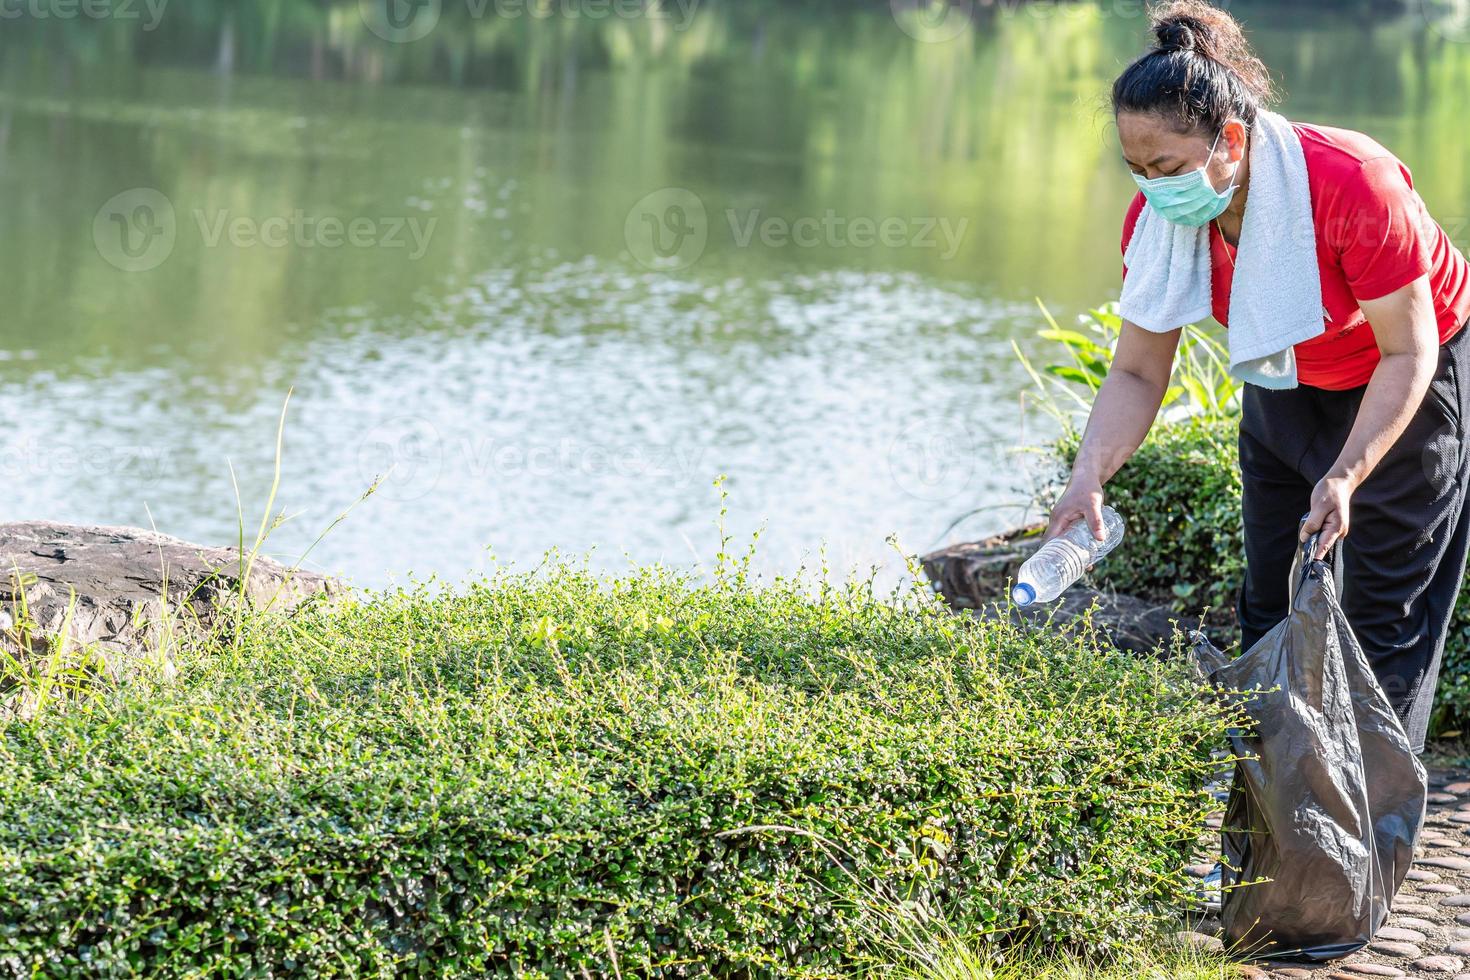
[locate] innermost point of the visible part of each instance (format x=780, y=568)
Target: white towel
x=1276, y=295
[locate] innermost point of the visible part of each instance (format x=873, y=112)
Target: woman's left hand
x=1329, y=512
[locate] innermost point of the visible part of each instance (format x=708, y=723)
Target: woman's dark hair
x=1199, y=74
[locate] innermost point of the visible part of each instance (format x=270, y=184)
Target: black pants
x=1402, y=561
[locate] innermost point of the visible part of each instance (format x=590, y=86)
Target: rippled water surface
x=544, y=279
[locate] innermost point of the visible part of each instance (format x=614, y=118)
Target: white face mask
x=1189, y=199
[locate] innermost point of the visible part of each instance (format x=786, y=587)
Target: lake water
x=550, y=271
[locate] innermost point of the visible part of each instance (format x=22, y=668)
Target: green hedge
x=1452, y=699
x=1180, y=497
x=549, y=775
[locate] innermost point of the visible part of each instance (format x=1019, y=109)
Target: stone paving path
x=1428, y=934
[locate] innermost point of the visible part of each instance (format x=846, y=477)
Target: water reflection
x=431, y=241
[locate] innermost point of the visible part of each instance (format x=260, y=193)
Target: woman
x=1369, y=443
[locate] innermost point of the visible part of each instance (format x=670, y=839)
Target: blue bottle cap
x=1023, y=594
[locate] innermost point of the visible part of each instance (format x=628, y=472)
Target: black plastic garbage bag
x=1328, y=796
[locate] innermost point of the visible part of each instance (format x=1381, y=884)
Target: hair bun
x=1178, y=34
x=1200, y=72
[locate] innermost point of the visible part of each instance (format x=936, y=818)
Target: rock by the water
x=977, y=575
x=120, y=585
x=972, y=574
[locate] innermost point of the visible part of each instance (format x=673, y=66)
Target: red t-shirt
x=1374, y=236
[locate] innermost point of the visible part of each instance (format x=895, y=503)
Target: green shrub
x=1180, y=497
x=555, y=775
x=1452, y=697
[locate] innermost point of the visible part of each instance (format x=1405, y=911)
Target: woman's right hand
x=1082, y=500
x=1124, y=409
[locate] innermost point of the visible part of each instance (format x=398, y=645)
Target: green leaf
x=1197, y=391
x=1094, y=366
x=1072, y=339
x=1070, y=374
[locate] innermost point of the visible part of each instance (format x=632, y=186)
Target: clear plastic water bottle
x=1063, y=559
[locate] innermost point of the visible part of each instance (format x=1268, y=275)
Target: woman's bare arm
x=1407, y=333
x=1121, y=416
